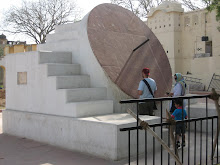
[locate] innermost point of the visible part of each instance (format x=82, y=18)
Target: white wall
x=99, y=136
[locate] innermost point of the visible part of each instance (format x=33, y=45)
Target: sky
x=84, y=5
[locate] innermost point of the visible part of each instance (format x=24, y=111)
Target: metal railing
x=192, y=80
x=195, y=139
x=214, y=83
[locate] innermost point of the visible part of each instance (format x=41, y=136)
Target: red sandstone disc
x=113, y=33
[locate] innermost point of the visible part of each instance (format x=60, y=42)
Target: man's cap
x=146, y=71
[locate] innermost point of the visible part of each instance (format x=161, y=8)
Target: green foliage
x=1, y=52
x=215, y=5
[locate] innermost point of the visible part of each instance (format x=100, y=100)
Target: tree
x=141, y=8
x=38, y=18
x=215, y=5
x=1, y=52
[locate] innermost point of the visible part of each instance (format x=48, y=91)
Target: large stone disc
x=113, y=33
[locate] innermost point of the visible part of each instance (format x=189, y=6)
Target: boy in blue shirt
x=179, y=114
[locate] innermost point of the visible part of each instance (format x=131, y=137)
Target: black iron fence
x=214, y=83
x=199, y=137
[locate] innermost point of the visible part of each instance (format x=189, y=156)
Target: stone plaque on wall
x=21, y=78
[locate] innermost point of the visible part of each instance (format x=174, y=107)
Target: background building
x=190, y=39
x=10, y=47
x=3, y=43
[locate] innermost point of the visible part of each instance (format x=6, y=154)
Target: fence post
x=215, y=97
x=172, y=122
x=211, y=81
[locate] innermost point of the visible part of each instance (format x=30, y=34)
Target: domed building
x=3, y=43
x=3, y=39
x=190, y=39
x=10, y=47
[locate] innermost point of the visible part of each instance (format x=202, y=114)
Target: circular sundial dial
x=114, y=32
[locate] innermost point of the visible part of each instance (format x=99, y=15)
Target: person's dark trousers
x=172, y=109
x=146, y=108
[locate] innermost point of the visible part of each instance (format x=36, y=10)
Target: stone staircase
x=76, y=86
x=89, y=100
x=65, y=38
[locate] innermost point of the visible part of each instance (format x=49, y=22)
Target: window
x=195, y=19
x=208, y=47
x=186, y=21
x=203, y=49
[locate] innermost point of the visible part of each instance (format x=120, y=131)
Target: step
x=90, y=108
x=198, y=110
x=64, y=45
x=67, y=27
x=55, y=57
x=74, y=81
x=109, y=126
x=85, y=94
x=63, y=69
x=69, y=35
x=192, y=101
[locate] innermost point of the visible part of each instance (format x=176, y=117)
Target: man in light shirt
x=147, y=88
